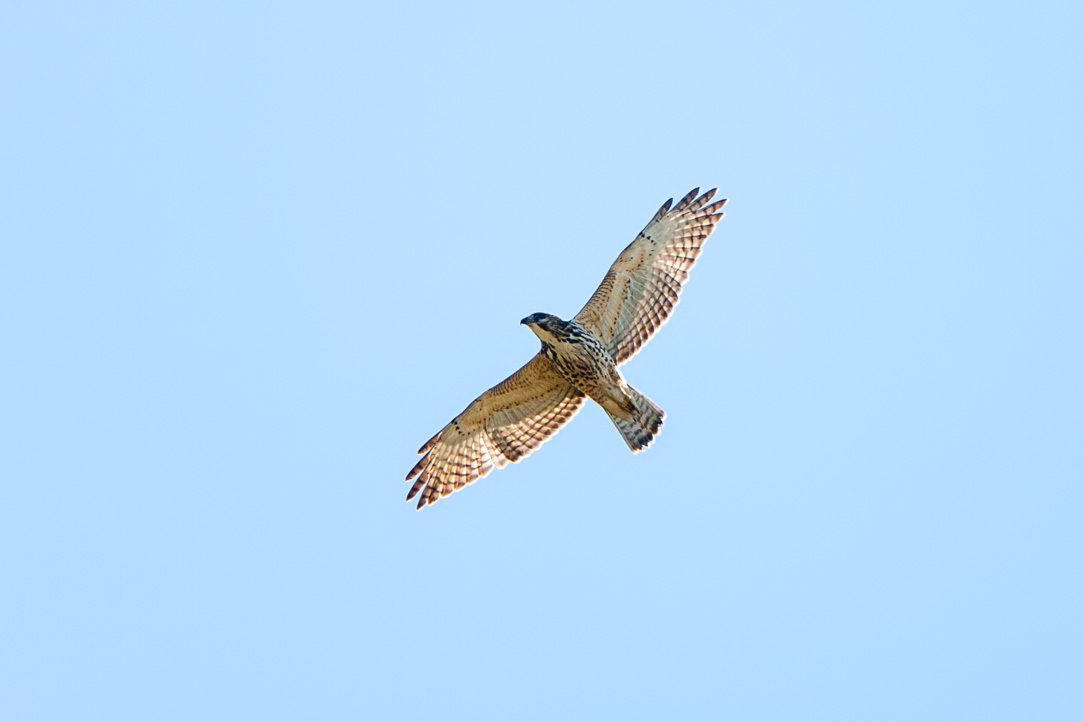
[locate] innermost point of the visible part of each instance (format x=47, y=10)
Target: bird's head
x=543, y=324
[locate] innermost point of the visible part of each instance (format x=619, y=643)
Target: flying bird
x=578, y=359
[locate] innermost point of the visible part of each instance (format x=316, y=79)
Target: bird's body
x=579, y=358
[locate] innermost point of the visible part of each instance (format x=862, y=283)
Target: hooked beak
x=526, y=321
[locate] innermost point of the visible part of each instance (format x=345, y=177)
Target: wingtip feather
x=429, y=444
x=687, y=199
x=415, y=489
x=417, y=468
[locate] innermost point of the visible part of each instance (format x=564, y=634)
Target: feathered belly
x=592, y=374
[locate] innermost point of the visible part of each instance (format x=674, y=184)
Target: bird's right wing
x=642, y=286
x=504, y=424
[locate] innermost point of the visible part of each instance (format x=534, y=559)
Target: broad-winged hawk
x=578, y=359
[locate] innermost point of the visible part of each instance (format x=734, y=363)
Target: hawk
x=578, y=359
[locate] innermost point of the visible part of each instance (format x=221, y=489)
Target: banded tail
x=640, y=431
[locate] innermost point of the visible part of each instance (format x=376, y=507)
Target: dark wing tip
x=687, y=199
x=417, y=468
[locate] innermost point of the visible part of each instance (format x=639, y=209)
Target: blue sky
x=255, y=254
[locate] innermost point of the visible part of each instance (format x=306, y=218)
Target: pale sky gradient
x=255, y=254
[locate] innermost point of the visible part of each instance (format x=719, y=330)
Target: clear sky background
x=254, y=254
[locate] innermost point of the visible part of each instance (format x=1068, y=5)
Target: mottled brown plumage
x=504, y=424
x=642, y=286
x=578, y=359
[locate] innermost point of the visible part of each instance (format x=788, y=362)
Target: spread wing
x=642, y=286
x=504, y=424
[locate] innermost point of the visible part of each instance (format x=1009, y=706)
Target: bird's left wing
x=504, y=424
x=642, y=286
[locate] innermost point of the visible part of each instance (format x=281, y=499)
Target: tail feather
x=639, y=432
